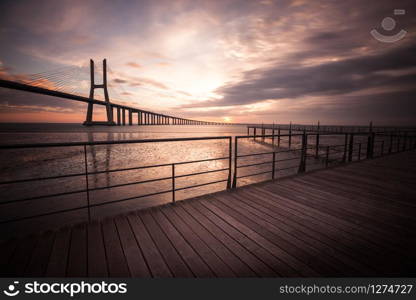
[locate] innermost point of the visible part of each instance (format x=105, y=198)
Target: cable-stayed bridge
x=67, y=83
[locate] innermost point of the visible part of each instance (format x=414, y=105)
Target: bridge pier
x=118, y=116
x=109, y=109
x=130, y=117
x=123, y=115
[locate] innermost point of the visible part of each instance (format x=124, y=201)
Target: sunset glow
x=238, y=61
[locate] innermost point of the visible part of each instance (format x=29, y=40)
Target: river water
x=46, y=162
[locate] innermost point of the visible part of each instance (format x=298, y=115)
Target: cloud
x=253, y=58
x=117, y=80
x=331, y=78
x=134, y=65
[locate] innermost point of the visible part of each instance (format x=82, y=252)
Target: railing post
x=87, y=183
x=235, y=162
x=351, y=147
x=290, y=135
x=404, y=141
x=359, y=151
x=398, y=142
x=317, y=140
x=173, y=183
x=344, y=158
x=230, y=153
x=368, y=154
x=278, y=137
x=302, y=165
x=317, y=145
x=327, y=156
x=391, y=143
x=273, y=164
x=382, y=148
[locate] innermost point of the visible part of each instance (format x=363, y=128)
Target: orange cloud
x=134, y=65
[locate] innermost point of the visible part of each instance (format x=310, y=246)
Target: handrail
x=349, y=151
x=88, y=173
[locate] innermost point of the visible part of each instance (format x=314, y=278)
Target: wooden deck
x=354, y=220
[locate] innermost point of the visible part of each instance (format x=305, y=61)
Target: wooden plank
x=383, y=201
x=7, y=250
x=400, y=177
x=338, y=212
x=306, y=218
x=239, y=268
x=40, y=257
x=219, y=268
x=358, y=248
x=369, y=188
x=169, y=253
x=364, y=214
x=192, y=259
x=77, y=257
x=242, y=246
x=97, y=261
x=365, y=205
x=117, y=265
x=58, y=259
x=154, y=259
x=21, y=257
x=336, y=255
x=135, y=260
x=267, y=240
x=267, y=264
x=344, y=224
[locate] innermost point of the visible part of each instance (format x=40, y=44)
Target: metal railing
x=373, y=145
x=323, y=155
x=86, y=173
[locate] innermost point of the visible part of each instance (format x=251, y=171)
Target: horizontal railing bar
x=268, y=135
x=44, y=215
x=201, y=160
x=84, y=207
x=130, y=198
x=42, y=178
x=155, y=166
x=282, y=169
x=200, y=173
x=286, y=159
x=43, y=196
x=256, y=164
x=75, y=144
x=254, y=154
x=199, y=185
x=128, y=183
x=277, y=152
x=260, y=173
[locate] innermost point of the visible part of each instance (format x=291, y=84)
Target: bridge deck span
x=353, y=220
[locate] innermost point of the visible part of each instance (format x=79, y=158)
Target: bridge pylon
x=88, y=120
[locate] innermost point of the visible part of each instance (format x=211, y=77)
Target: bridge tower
x=109, y=108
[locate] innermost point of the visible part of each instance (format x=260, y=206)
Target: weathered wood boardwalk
x=353, y=220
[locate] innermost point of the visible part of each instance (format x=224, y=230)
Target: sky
x=226, y=60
